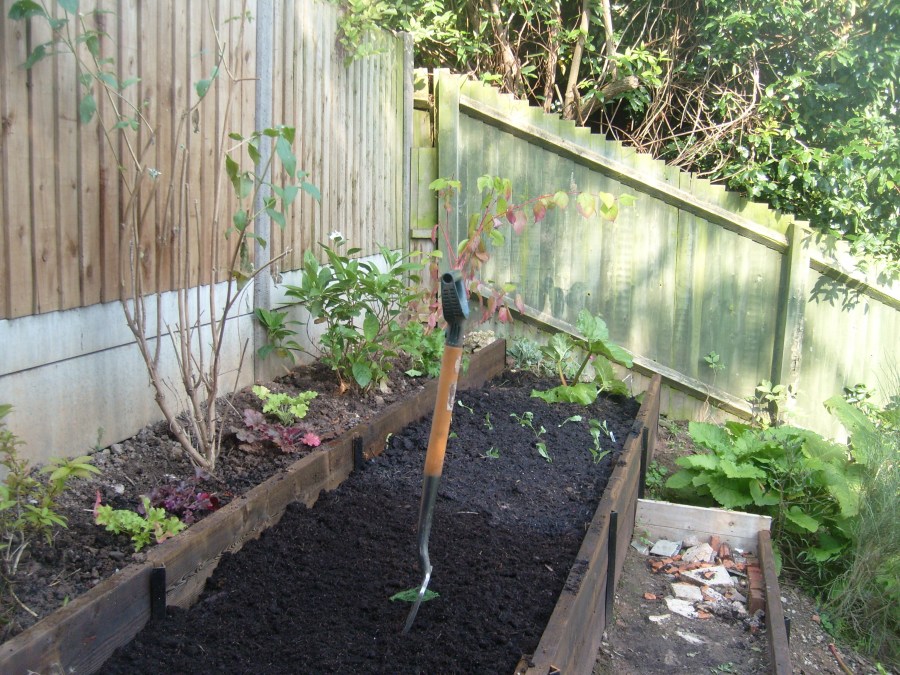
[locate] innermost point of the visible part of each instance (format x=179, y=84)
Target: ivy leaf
x=539, y=210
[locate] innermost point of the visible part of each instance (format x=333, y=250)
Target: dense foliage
x=794, y=103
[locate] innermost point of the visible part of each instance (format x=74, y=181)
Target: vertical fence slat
x=18, y=282
x=67, y=223
x=43, y=131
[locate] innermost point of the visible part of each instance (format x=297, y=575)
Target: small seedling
x=412, y=594
x=492, y=453
x=542, y=451
x=596, y=428
x=463, y=405
x=526, y=421
x=573, y=418
x=487, y=421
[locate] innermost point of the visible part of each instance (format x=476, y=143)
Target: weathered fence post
x=794, y=291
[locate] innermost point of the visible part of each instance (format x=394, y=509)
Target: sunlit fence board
x=64, y=229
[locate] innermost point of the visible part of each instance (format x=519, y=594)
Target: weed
x=655, y=480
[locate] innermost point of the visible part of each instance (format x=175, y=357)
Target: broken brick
x=757, y=600
x=724, y=552
x=649, y=596
x=714, y=542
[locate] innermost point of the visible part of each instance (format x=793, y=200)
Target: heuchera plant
x=289, y=439
x=183, y=499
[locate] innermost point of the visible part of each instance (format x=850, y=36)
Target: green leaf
x=370, y=327
x=584, y=202
x=311, y=190
x=680, y=479
x=732, y=470
x=362, y=373
x=710, y=436
x=796, y=515
x=761, y=498
x=584, y=393
x=561, y=199
x=607, y=200
x=253, y=151
x=412, y=594
x=862, y=432
x=708, y=462
x=627, y=200
x=730, y=493
x=277, y=216
x=87, y=108
x=202, y=87
x=240, y=220
x=286, y=155
x=71, y=6
x=25, y=9
x=37, y=54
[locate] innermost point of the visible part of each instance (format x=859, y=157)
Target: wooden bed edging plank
x=80, y=637
x=776, y=630
x=572, y=637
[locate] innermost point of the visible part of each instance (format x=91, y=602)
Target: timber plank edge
x=571, y=637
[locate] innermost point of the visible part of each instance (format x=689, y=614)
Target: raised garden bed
x=81, y=636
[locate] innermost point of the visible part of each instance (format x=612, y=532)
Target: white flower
x=154, y=173
x=335, y=235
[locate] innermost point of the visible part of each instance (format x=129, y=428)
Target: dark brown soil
x=312, y=594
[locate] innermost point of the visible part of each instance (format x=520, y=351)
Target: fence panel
x=688, y=270
x=65, y=230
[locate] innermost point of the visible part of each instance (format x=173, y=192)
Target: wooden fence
x=63, y=199
x=687, y=270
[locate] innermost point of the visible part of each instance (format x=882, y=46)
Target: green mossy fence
x=687, y=270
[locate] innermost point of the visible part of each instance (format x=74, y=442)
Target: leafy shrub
x=863, y=603
x=362, y=308
x=808, y=485
x=597, y=349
